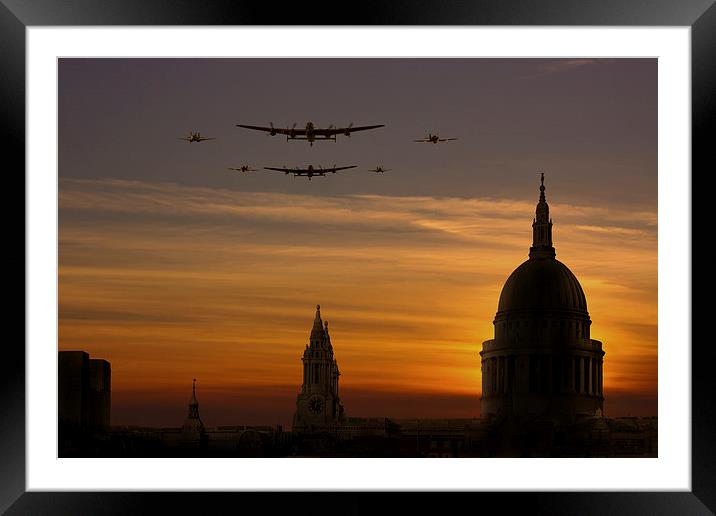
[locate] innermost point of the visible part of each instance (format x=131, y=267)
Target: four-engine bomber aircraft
x=379, y=168
x=243, y=168
x=434, y=138
x=310, y=133
x=310, y=171
x=194, y=137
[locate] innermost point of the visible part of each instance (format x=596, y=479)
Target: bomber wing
x=273, y=130
x=336, y=169
x=342, y=130
x=284, y=169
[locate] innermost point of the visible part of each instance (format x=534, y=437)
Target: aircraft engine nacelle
x=347, y=133
x=272, y=132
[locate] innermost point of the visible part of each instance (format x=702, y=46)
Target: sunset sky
x=173, y=268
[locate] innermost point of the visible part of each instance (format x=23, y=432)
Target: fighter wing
x=185, y=138
x=341, y=130
x=446, y=139
x=424, y=140
x=274, y=130
x=201, y=139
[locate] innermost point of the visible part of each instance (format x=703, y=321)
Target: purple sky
x=590, y=124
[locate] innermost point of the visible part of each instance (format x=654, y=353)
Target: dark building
x=100, y=395
x=73, y=390
x=84, y=393
x=542, y=362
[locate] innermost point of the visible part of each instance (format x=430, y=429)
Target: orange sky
x=172, y=282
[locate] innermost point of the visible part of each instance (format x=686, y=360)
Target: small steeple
x=192, y=432
x=193, y=403
x=542, y=228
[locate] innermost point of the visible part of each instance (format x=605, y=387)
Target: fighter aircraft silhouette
x=243, y=168
x=309, y=171
x=380, y=169
x=194, y=137
x=434, y=138
x=310, y=133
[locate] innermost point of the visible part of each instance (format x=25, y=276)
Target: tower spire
x=192, y=433
x=317, y=330
x=542, y=228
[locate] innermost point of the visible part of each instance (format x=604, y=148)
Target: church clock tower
x=318, y=407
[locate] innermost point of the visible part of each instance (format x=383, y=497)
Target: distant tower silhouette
x=318, y=407
x=192, y=432
x=542, y=362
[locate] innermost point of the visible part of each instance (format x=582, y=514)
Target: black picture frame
x=17, y=15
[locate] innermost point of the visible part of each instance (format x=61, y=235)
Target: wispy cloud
x=565, y=65
x=170, y=282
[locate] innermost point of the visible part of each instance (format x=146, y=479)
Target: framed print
x=491, y=206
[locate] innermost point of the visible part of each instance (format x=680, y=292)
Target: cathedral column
x=582, y=381
x=501, y=375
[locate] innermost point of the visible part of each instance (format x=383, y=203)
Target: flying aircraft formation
x=311, y=134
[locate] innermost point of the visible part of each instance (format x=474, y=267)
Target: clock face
x=316, y=404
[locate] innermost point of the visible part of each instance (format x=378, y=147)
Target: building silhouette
x=193, y=434
x=318, y=406
x=542, y=362
x=84, y=397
